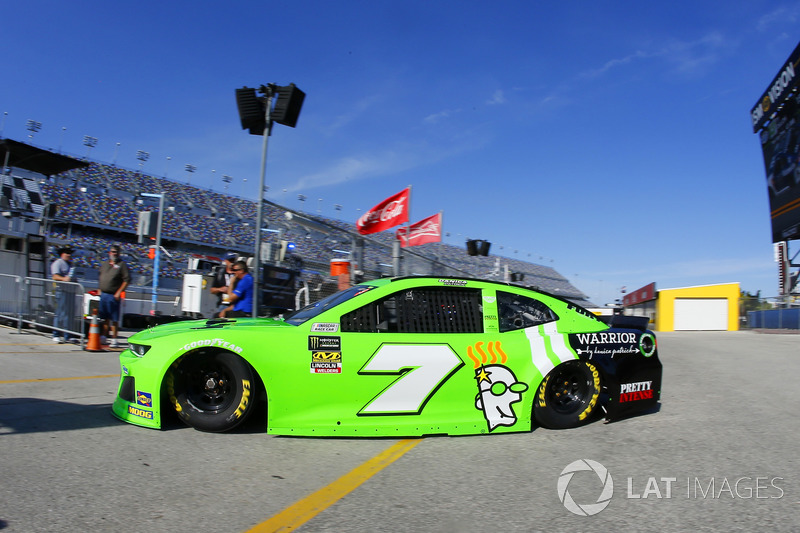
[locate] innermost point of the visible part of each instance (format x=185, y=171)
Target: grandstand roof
x=25, y=156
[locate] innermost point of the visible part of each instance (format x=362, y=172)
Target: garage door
x=701, y=314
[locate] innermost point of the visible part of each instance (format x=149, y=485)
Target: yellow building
x=701, y=308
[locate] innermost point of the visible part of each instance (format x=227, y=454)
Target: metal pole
x=260, y=208
x=156, y=259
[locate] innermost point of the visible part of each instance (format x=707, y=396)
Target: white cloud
x=436, y=117
x=781, y=15
x=497, y=98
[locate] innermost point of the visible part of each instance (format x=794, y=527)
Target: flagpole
x=408, y=222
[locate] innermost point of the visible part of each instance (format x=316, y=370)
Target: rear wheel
x=212, y=391
x=567, y=397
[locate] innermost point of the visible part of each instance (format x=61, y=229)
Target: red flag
x=388, y=213
x=425, y=231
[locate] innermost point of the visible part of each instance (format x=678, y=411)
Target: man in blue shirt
x=240, y=297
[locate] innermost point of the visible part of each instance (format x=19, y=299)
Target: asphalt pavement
x=720, y=454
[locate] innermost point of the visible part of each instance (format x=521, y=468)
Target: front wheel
x=212, y=391
x=567, y=397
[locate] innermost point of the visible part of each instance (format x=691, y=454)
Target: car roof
x=380, y=282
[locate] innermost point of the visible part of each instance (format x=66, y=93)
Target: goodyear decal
x=549, y=347
x=326, y=362
x=212, y=342
x=143, y=413
x=144, y=398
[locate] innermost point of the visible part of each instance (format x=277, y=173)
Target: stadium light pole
x=260, y=206
x=116, y=152
x=157, y=256
x=256, y=115
x=33, y=126
x=142, y=156
x=191, y=170
x=90, y=142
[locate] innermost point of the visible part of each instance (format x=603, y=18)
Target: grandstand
x=98, y=204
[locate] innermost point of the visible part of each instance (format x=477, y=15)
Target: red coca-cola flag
x=387, y=214
x=425, y=231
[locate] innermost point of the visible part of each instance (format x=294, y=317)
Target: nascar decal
x=144, y=398
x=326, y=362
x=498, y=388
x=421, y=369
x=549, y=348
x=325, y=327
x=325, y=342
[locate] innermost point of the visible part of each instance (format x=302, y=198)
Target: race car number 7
x=422, y=369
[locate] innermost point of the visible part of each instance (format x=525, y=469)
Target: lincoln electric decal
x=498, y=387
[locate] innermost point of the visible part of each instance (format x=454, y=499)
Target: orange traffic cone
x=93, y=344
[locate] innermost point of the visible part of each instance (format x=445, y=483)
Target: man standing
x=240, y=293
x=113, y=279
x=223, y=275
x=62, y=271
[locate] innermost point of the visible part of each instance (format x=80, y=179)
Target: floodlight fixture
x=89, y=142
x=257, y=115
x=33, y=126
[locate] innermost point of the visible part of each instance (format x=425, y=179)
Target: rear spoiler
x=624, y=321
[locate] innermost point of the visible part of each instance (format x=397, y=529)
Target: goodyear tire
x=568, y=395
x=212, y=391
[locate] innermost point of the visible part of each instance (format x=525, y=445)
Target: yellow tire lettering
x=171, y=392
x=542, y=389
x=593, y=401
x=245, y=399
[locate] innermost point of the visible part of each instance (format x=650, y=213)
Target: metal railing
x=47, y=305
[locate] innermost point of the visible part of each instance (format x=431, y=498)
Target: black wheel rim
x=568, y=390
x=210, y=386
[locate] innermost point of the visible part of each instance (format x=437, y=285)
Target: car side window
x=518, y=312
x=422, y=310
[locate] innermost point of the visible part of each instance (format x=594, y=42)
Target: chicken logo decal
x=498, y=387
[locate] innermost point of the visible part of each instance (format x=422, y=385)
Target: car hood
x=229, y=324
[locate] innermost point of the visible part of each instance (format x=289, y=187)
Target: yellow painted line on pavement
x=56, y=379
x=304, y=510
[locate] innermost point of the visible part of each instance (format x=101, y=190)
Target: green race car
x=395, y=357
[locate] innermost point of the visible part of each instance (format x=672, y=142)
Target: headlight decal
x=139, y=349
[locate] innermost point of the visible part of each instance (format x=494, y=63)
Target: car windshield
x=312, y=310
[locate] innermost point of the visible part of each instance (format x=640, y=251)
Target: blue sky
x=610, y=140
